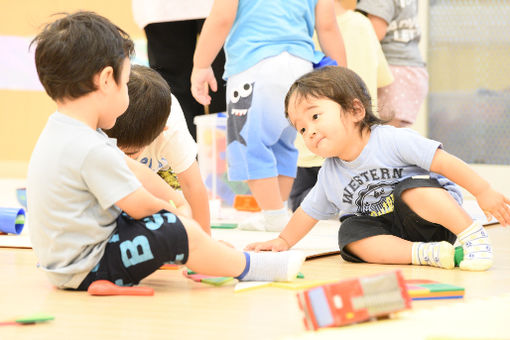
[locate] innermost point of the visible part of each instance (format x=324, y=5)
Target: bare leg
x=267, y=192
x=285, y=183
x=437, y=206
x=383, y=249
x=270, y=193
x=210, y=257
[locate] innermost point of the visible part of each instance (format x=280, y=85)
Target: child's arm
x=156, y=186
x=380, y=26
x=299, y=225
x=195, y=193
x=213, y=35
x=142, y=203
x=490, y=201
x=330, y=38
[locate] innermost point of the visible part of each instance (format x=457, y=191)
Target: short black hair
x=339, y=84
x=149, y=107
x=74, y=48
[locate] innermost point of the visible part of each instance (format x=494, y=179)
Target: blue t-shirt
x=365, y=185
x=266, y=28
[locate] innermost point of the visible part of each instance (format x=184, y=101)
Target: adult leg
x=170, y=47
x=304, y=182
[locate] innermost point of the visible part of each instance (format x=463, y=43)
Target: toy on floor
x=21, y=195
x=246, y=203
x=28, y=320
x=355, y=300
x=12, y=220
x=212, y=280
x=223, y=225
x=105, y=287
x=170, y=266
x=432, y=290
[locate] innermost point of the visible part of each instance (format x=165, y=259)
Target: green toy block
x=459, y=255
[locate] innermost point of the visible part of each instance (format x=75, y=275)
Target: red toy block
x=355, y=300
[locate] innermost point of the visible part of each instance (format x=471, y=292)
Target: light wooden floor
x=182, y=309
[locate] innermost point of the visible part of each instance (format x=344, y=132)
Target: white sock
x=477, y=248
x=268, y=220
x=435, y=254
x=272, y=266
x=276, y=220
x=254, y=222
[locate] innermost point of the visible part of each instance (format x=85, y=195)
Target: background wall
x=24, y=106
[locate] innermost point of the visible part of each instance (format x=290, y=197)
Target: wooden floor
x=183, y=309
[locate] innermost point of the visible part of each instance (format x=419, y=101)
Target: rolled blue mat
x=12, y=220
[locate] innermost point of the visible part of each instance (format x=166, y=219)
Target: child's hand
x=494, y=204
x=277, y=244
x=201, y=80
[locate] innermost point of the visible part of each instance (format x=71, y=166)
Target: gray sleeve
x=107, y=175
x=384, y=9
x=316, y=203
x=412, y=148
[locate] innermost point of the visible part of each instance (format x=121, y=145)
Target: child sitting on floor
x=96, y=214
x=153, y=131
x=383, y=181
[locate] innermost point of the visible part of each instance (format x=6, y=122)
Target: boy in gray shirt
x=95, y=213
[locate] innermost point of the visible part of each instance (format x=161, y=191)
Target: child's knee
x=195, y=233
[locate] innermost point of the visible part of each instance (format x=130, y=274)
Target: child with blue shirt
x=268, y=44
x=96, y=214
x=386, y=183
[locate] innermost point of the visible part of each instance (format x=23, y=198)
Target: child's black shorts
x=402, y=222
x=140, y=247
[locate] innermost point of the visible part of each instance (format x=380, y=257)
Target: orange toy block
x=246, y=203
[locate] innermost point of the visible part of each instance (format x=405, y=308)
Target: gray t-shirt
x=400, y=44
x=75, y=176
x=365, y=185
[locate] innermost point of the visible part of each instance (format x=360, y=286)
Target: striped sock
x=435, y=254
x=477, y=248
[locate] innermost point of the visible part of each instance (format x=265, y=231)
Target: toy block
x=432, y=290
x=355, y=300
x=246, y=203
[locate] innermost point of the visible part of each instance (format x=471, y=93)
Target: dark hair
x=339, y=84
x=74, y=48
x=149, y=107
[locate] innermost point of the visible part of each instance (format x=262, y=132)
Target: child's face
x=327, y=130
x=118, y=98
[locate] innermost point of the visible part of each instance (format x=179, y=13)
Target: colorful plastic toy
x=246, y=203
x=212, y=280
x=21, y=195
x=28, y=320
x=355, y=300
x=104, y=288
x=433, y=290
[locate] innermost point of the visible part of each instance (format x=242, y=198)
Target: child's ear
x=358, y=110
x=103, y=80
